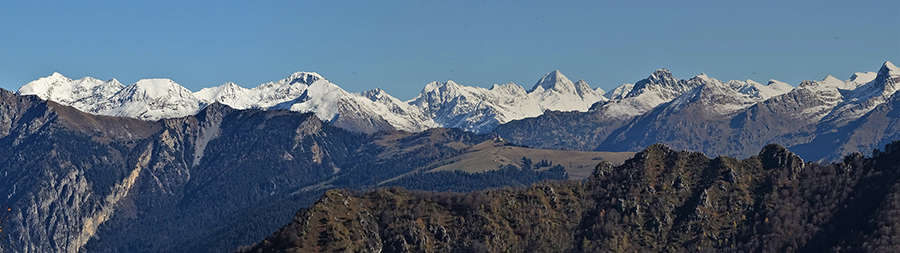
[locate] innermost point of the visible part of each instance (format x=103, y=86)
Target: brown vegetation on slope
x=660, y=200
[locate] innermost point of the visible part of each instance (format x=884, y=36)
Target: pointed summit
x=661, y=80
x=554, y=80
x=228, y=94
x=888, y=79
x=661, y=75
x=888, y=69
x=373, y=94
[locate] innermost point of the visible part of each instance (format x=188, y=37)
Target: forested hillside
x=660, y=200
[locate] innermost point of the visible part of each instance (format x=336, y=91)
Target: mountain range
x=700, y=113
x=819, y=120
x=439, y=104
x=223, y=177
x=98, y=166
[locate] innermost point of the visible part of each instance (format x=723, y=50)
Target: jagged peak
x=888, y=68
x=775, y=156
x=704, y=79
x=551, y=80
x=657, y=149
x=373, y=94
x=435, y=85
x=304, y=77
x=806, y=83
x=661, y=74
x=660, y=147
x=887, y=77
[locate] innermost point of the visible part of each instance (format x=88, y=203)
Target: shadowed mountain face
x=76, y=181
x=660, y=200
x=215, y=180
x=820, y=120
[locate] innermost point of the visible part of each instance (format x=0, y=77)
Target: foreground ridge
x=659, y=200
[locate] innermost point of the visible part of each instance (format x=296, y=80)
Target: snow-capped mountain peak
x=47, y=87
x=621, y=91
x=150, y=99
x=715, y=97
x=374, y=94
x=228, y=93
x=860, y=98
x=758, y=90
x=861, y=78
x=889, y=68
x=448, y=104
x=554, y=80
x=81, y=93
x=583, y=88
x=661, y=76
x=779, y=86
x=153, y=88
x=307, y=78
x=887, y=73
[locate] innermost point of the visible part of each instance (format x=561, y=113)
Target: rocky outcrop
x=660, y=200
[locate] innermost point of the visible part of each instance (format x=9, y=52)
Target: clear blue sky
x=401, y=46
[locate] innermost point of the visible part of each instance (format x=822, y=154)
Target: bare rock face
x=774, y=156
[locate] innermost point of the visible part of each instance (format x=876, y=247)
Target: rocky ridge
x=660, y=200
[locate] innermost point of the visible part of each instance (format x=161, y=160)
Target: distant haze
x=401, y=46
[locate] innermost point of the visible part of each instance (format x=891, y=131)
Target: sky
x=400, y=46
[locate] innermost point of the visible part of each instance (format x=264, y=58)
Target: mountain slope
x=722, y=118
x=586, y=130
x=660, y=200
x=150, y=99
x=81, y=182
x=83, y=93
